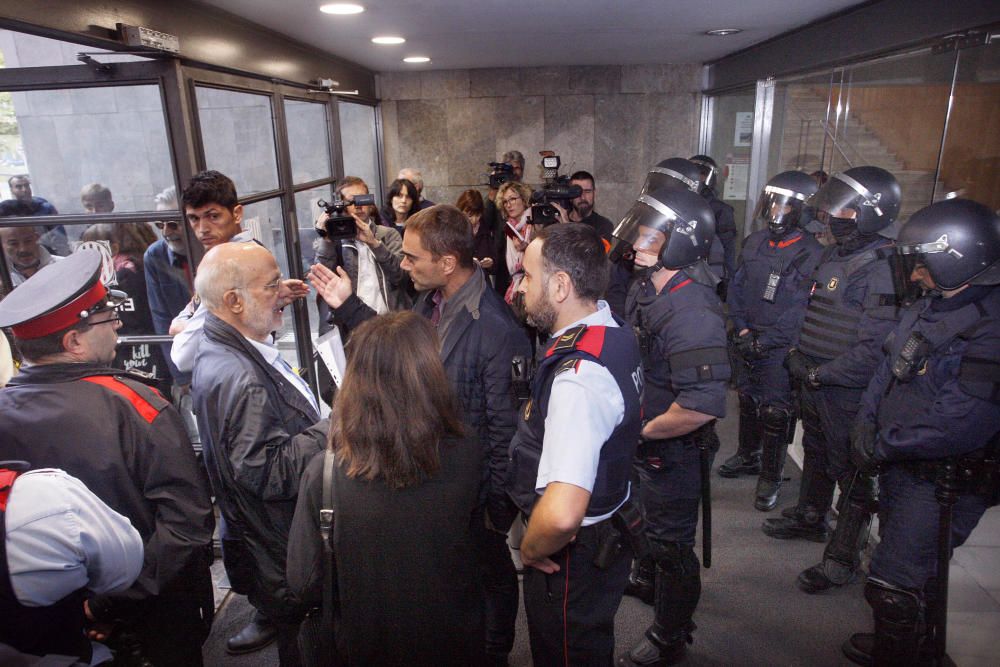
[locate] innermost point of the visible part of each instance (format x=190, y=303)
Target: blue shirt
x=168, y=292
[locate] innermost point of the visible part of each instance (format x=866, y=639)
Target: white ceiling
x=459, y=34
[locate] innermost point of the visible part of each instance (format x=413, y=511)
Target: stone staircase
x=802, y=137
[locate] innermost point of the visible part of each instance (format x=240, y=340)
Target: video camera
x=340, y=226
x=556, y=188
x=500, y=173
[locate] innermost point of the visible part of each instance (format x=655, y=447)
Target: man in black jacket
x=479, y=338
x=259, y=424
x=68, y=409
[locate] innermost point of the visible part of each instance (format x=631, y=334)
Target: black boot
x=899, y=626
x=746, y=461
x=257, y=634
x=778, y=429
x=815, y=497
x=641, y=580
x=842, y=556
x=678, y=589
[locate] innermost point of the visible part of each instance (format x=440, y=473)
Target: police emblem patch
x=832, y=285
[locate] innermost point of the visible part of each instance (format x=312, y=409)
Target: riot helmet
x=679, y=224
x=872, y=194
x=708, y=168
x=675, y=172
x=957, y=240
x=783, y=200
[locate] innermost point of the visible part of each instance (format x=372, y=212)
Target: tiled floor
x=974, y=596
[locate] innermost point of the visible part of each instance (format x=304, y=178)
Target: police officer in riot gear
x=933, y=406
x=674, y=173
x=767, y=297
x=852, y=309
x=678, y=318
x=722, y=257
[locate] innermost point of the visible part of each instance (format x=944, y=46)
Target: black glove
x=748, y=346
x=863, y=436
x=801, y=368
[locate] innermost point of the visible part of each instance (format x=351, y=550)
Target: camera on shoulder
x=556, y=189
x=339, y=226
x=500, y=173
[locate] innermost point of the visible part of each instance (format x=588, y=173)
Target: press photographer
x=549, y=204
x=348, y=236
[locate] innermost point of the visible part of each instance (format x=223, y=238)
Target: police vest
x=831, y=325
x=771, y=274
x=615, y=349
x=53, y=630
x=919, y=351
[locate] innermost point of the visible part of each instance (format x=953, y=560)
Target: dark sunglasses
x=168, y=225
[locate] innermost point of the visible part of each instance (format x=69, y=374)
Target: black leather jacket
x=259, y=433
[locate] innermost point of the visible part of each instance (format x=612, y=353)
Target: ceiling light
x=388, y=40
x=723, y=32
x=341, y=8
x=416, y=59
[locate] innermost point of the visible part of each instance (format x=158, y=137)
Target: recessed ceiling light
x=416, y=59
x=722, y=32
x=342, y=8
x=388, y=40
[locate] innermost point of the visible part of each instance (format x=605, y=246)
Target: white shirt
x=584, y=409
x=184, y=348
x=369, y=288
x=61, y=538
x=273, y=357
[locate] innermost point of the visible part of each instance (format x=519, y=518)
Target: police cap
x=58, y=297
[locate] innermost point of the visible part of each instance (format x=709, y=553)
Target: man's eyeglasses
x=167, y=225
x=111, y=320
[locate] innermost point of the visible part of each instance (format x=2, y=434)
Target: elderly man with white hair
x=414, y=176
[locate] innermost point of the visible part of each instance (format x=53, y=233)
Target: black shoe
x=740, y=464
x=796, y=529
x=793, y=512
x=648, y=654
x=858, y=649
x=767, y=494
x=497, y=659
x=256, y=635
x=828, y=574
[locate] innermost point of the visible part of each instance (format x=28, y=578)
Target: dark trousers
x=908, y=525
x=827, y=416
x=571, y=613
x=171, y=631
x=766, y=379
x=500, y=583
x=670, y=491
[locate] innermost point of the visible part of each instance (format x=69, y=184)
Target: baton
x=706, y=504
x=947, y=495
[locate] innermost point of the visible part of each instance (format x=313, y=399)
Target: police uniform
x=580, y=427
x=58, y=540
x=128, y=445
x=768, y=296
x=683, y=341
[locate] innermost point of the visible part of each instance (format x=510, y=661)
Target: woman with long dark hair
x=401, y=201
x=405, y=484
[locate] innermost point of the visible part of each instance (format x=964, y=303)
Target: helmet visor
x=664, y=177
x=842, y=193
x=779, y=208
x=647, y=226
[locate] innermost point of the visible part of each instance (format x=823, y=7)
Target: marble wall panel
x=448, y=194
x=569, y=131
x=494, y=82
x=604, y=79
x=423, y=139
x=442, y=84
x=545, y=81
x=471, y=138
x=614, y=198
x=398, y=85
x=675, y=125
x=660, y=78
x=520, y=125
x=622, y=136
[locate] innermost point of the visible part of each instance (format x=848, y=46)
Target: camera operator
x=583, y=206
x=371, y=258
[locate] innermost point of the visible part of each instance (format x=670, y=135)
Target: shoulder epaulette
x=148, y=402
x=582, y=338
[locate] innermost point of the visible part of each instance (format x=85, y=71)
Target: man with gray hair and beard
x=259, y=422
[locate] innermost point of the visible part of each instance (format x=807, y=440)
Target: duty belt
x=978, y=476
